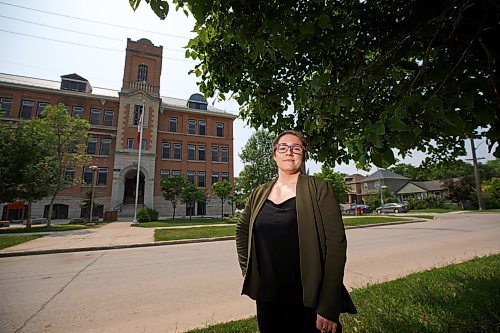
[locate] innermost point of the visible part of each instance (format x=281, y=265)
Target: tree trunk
x=51, y=206
x=222, y=210
x=173, y=215
x=28, y=216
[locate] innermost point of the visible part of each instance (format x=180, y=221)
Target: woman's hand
x=325, y=325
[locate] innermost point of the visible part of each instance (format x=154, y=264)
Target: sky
x=50, y=38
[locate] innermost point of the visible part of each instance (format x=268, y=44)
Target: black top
x=277, y=249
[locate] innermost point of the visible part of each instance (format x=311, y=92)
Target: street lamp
x=94, y=169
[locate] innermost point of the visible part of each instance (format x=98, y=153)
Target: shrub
x=147, y=215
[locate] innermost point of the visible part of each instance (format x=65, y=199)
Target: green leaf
x=379, y=128
x=376, y=140
x=396, y=124
x=288, y=51
x=324, y=22
x=306, y=28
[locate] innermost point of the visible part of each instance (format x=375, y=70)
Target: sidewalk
x=115, y=235
x=110, y=236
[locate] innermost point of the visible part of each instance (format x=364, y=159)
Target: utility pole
x=477, y=178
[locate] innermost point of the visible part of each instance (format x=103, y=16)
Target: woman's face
x=289, y=161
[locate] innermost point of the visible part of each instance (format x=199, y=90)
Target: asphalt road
x=174, y=288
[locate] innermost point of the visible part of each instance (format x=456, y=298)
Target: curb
x=174, y=242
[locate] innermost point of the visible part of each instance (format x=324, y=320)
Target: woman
x=292, y=247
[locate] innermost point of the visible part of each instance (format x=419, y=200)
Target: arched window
x=142, y=73
x=197, y=101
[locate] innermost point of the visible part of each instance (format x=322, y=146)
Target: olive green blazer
x=322, y=244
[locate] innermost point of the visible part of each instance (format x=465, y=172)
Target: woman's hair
x=297, y=134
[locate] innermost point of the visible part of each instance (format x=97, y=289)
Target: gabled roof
x=430, y=185
x=74, y=77
x=384, y=174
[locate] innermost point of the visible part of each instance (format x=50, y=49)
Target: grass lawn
x=7, y=241
x=44, y=228
x=433, y=210
x=193, y=233
x=458, y=298
x=362, y=220
x=183, y=222
x=427, y=217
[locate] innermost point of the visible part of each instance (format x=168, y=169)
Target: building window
x=105, y=147
x=102, y=176
x=6, y=106
x=88, y=176
x=191, y=152
x=177, y=151
x=215, y=177
x=224, y=154
x=176, y=173
x=224, y=176
x=201, y=179
x=40, y=108
x=220, y=130
x=69, y=175
x=73, y=85
x=215, y=154
x=202, y=127
x=142, y=73
x=165, y=150
x=137, y=113
x=95, y=115
x=190, y=176
x=144, y=144
x=201, y=153
x=108, y=118
x=164, y=173
x=172, y=124
x=26, y=109
x=72, y=147
x=130, y=143
x=197, y=101
x=191, y=126
x=92, y=146
x=78, y=112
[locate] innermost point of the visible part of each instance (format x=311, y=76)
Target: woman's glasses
x=283, y=148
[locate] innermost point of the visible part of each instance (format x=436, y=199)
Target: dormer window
x=142, y=73
x=74, y=82
x=197, y=101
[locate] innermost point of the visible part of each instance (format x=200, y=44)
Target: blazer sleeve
x=330, y=296
x=242, y=235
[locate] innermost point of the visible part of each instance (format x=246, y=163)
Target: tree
x=336, y=180
x=66, y=145
x=459, y=190
x=222, y=190
x=258, y=164
x=490, y=169
x=33, y=161
x=172, y=189
x=406, y=170
x=363, y=77
x=190, y=194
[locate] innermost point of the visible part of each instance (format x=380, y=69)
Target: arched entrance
x=130, y=184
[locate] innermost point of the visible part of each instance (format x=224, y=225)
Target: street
x=174, y=288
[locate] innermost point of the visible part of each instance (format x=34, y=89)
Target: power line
x=84, y=45
x=93, y=21
x=60, y=41
x=74, y=31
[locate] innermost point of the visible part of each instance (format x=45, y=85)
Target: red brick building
x=181, y=137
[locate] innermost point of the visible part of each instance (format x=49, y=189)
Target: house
x=354, y=181
x=181, y=136
x=420, y=190
x=382, y=179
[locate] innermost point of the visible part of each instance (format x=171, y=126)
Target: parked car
x=392, y=207
x=364, y=209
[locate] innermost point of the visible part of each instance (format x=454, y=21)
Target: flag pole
x=140, y=127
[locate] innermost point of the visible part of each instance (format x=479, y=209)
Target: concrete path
x=112, y=235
